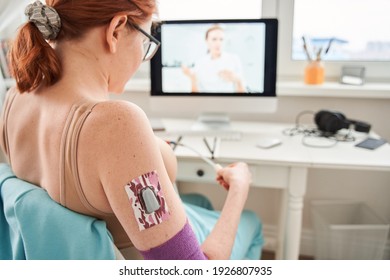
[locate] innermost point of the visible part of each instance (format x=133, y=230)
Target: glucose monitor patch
x=147, y=200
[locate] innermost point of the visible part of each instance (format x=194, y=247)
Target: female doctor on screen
x=218, y=71
x=100, y=157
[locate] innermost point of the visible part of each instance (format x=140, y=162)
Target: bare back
x=45, y=148
x=42, y=147
x=34, y=129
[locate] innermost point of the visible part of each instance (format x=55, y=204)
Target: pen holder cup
x=314, y=73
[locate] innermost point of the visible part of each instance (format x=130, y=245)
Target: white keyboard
x=231, y=136
x=224, y=135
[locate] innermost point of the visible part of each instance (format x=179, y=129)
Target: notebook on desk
x=157, y=124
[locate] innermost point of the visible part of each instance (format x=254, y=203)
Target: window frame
x=289, y=69
x=292, y=70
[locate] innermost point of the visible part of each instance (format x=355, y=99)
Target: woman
x=93, y=155
x=218, y=71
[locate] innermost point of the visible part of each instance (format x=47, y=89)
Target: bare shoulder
x=118, y=114
x=118, y=127
x=114, y=135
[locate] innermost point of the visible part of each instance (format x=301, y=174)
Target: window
x=290, y=65
x=290, y=69
x=355, y=30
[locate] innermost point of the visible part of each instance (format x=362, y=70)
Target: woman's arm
x=169, y=159
x=122, y=147
x=231, y=77
x=193, y=78
x=237, y=179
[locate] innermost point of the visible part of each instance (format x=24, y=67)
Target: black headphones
x=331, y=121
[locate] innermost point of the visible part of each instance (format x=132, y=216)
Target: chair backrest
x=33, y=226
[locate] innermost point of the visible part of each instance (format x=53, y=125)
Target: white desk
x=282, y=167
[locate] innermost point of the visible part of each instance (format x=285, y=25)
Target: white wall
x=11, y=16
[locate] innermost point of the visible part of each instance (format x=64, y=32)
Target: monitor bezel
x=270, y=64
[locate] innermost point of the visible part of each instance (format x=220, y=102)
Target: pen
x=329, y=44
x=318, y=58
x=214, y=145
x=209, y=148
x=305, y=48
x=176, y=143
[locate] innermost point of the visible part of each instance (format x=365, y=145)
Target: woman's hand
x=190, y=74
x=235, y=177
x=228, y=76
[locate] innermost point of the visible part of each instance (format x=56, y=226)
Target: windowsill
x=334, y=89
x=293, y=89
x=299, y=89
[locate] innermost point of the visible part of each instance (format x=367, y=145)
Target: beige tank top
x=71, y=192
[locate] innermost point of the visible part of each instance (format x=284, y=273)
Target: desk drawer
x=262, y=175
x=195, y=171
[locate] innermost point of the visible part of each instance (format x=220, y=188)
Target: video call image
x=213, y=58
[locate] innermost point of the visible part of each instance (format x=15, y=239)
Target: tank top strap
x=70, y=185
x=9, y=98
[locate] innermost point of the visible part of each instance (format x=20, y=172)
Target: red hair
x=33, y=61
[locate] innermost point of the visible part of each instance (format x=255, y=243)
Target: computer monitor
x=215, y=68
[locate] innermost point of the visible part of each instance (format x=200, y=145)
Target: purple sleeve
x=183, y=246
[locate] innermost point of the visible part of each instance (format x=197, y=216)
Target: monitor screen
x=234, y=58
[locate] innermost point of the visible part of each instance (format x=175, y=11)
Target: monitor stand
x=214, y=124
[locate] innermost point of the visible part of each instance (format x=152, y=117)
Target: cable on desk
x=214, y=165
x=309, y=133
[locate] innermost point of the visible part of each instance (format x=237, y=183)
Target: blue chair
x=35, y=227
